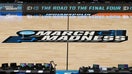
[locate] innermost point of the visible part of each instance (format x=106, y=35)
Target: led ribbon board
x=68, y=36
x=11, y=9
x=76, y=8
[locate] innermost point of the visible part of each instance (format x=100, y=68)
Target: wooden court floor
x=80, y=54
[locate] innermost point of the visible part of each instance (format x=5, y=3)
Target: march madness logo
x=68, y=36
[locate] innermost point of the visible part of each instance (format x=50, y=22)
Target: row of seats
x=49, y=68
x=28, y=68
x=25, y=66
x=122, y=68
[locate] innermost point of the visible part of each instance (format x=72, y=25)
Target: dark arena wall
x=64, y=8
x=68, y=56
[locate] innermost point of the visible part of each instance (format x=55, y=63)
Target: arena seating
x=50, y=68
x=121, y=69
x=28, y=68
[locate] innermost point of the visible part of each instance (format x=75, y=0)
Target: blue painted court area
x=67, y=72
x=18, y=39
x=13, y=39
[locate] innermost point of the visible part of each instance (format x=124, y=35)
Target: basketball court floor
x=80, y=54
